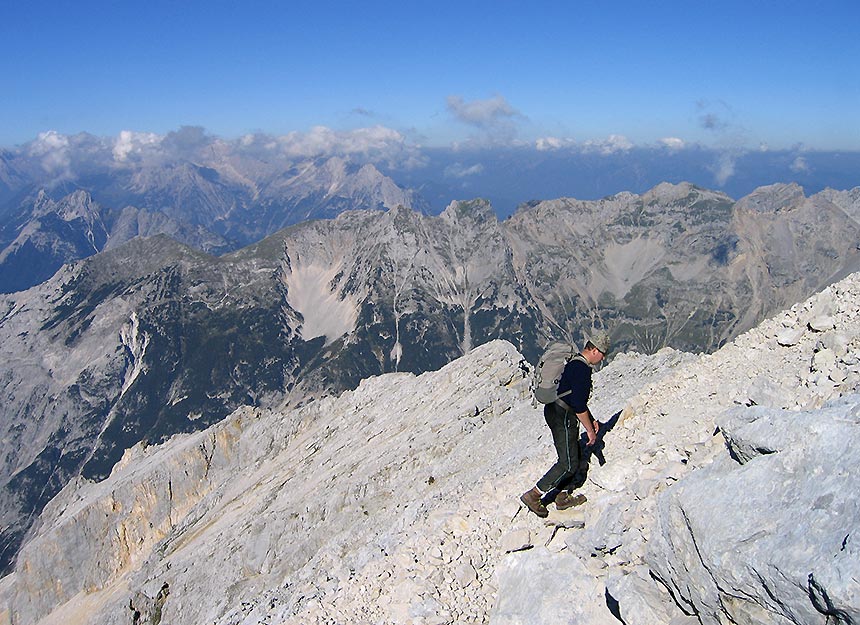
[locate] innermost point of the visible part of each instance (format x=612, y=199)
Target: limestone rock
x=540, y=588
x=516, y=540
x=784, y=551
x=789, y=337
x=639, y=600
x=766, y=391
x=821, y=324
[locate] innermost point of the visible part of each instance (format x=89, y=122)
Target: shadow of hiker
x=585, y=454
x=596, y=450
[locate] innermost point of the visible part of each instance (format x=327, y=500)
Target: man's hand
x=592, y=438
x=590, y=424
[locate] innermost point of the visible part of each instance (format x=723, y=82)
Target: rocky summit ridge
x=727, y=496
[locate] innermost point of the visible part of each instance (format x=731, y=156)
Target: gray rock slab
x=538, y=587
x=771, y=537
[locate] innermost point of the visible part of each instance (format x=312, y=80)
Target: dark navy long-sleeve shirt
x=576, y=378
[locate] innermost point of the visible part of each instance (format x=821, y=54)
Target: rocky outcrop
x=397, y=502
x=712, y=480
x=352, y=486
x=768, y=536
x=388, y=503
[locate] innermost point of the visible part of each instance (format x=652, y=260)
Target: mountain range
x=153, y=337
x=217, y=207
x=220, y=195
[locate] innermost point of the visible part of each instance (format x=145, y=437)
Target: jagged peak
x=666, y=192
x=42, y=203
x=78, y=197
x=622, y=196
x=369, y=169
x=403, y=215
x=771, y=198
x=478, y=209
x=671, y=187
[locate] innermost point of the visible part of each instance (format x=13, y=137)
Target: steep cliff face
x=718, y=501
x=36, y=241
x=789, y=244
x=395, y=291
x=652, y=266
x=133, y=345
x=154, y=338
x=679, y=265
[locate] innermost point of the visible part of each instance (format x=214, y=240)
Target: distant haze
x=506, y=175
x=510, y=177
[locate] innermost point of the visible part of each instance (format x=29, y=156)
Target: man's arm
x=592, y=427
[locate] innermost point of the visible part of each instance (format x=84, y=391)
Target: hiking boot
x=532, y=501
x=565, y=500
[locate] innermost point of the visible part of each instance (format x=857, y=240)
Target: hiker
x=563, y=417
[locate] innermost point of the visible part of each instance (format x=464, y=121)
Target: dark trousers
x=565, y=436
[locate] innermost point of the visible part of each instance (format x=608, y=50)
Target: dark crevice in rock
x=822, y=602
x=612, y=604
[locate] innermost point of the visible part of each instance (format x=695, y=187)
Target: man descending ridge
x=563, y=418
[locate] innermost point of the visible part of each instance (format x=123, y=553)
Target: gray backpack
x=549, y=368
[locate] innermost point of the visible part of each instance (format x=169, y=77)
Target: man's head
x=597, y=347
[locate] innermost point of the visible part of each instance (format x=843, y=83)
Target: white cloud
x=481, y=113
x=725, y=168
x=372, y=144
x=52, y=150
x=719, y=118
x=546, y=144
x=610, y=145
x=800, y=165
x=188, y=142
x=322, y=141
x=673, y=143
x=258, y=142
x=49, y=141
x=129, y=142
x=458, y=170
x=64, y=157
x=715, y=115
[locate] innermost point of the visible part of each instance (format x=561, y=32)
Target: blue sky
x=723, y=74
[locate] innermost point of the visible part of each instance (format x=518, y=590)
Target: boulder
x=784, y=552
x=538, y=587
